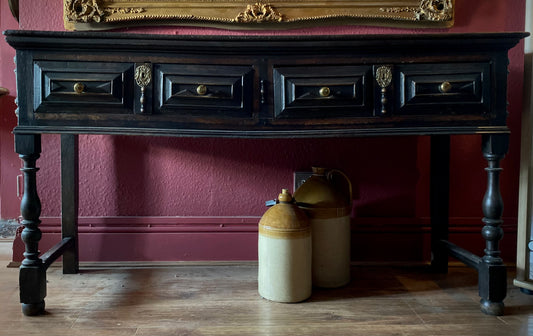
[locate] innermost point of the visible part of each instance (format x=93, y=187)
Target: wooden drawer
x=204, y=90
x=308, y=92
x=82, y=87
x=454, y=88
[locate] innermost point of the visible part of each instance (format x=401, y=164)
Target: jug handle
x=348, y=185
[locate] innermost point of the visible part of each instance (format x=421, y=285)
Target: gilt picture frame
x=253, y=14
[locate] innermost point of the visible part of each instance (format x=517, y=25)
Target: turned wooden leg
x=32, y=278
x=492, y=271
x=439, y=201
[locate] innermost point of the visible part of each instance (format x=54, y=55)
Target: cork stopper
x=318, y=170
x=285, y=196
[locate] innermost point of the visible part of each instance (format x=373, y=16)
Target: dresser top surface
x=25, y=39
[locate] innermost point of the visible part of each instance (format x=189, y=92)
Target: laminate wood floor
x=223, y=300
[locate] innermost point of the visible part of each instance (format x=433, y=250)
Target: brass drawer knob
x=445, y=87
x=201, y=89
x=324, y=91
x=79, y=87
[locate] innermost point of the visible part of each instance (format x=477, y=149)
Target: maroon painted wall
x=157, y=198
x=9, y=162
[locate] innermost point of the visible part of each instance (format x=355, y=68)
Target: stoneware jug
x=284, y=249
x=326, y=198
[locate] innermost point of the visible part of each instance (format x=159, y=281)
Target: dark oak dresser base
x=262, y=87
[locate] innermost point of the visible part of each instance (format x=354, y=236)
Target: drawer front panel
x=204, y=90
x=83, y=87
x=322, y=91
x=461, y=88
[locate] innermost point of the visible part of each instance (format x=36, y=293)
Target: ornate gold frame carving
x=106, y=14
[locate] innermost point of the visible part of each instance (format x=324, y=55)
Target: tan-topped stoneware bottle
x=326, y=198
x=284, y=249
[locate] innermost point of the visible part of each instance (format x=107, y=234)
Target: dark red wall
x=166, y=199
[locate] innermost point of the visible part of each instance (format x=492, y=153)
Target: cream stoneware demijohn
x=284, y=250
x=326, y=198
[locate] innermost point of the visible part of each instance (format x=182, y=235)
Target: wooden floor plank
x=223, y=300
